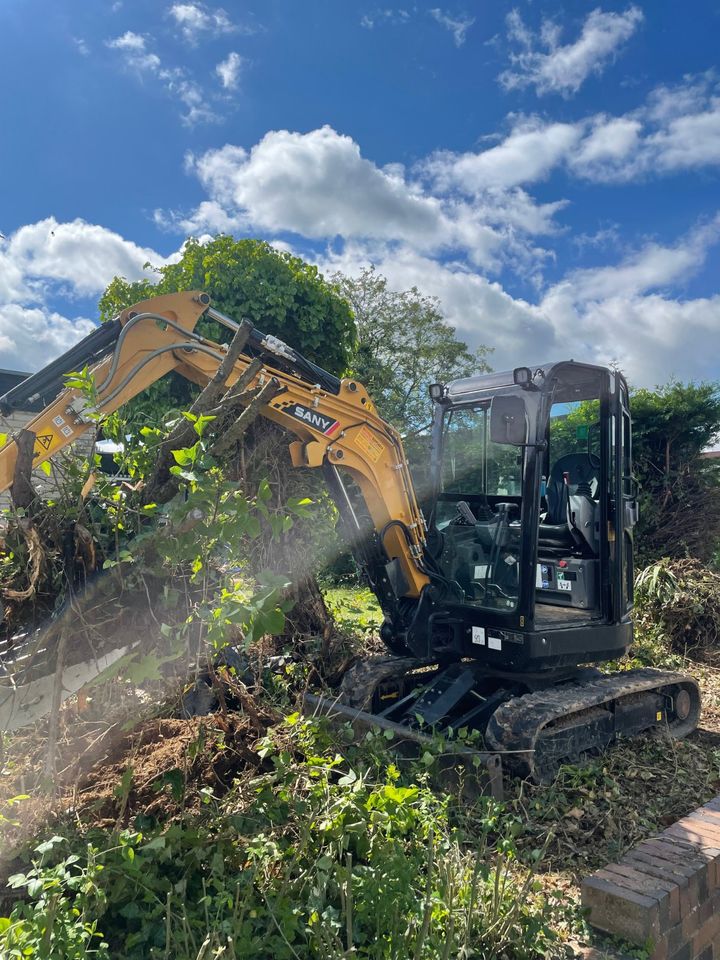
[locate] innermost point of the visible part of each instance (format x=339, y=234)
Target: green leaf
x=175, y=779
x=201, y=423
x=264, y=492
x=185, y=457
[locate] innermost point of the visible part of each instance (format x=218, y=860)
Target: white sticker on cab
x=564, y=584
x=494, y=643
x=478, y=636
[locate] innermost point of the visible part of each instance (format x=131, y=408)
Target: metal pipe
x=138, y=318
x=199, y=347
x=222, y=318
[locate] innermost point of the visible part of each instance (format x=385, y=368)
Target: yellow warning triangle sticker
x=45, y=439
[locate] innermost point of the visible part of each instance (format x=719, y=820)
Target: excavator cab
x=532, y=515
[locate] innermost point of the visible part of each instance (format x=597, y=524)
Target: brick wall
x=42, y=483
x=666, y=891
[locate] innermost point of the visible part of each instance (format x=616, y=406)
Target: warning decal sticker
x=369, y=444
x=45, y=439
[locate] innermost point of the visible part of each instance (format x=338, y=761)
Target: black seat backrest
x=581, y=473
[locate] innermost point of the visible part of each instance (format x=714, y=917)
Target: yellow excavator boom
x=341, y=431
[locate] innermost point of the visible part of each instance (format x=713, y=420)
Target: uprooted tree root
x=149, y=769
x=108, y=774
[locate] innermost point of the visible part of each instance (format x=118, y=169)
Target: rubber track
x=516, y=725
x=362, y=679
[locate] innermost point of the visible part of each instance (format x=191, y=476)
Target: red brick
x=707, y=933
x=684, y=953
x=665, y=891
x=678, y=867
x=700, y=822
x=697, y=861
x=712, y=815
x=660, y=950
x=621, y=911
x=690, y=924
x=655, y=867
x=699, y=840
x=701, y=816
x=687, y=887
x=673, y=850
x=668, y=944
x=643, y=882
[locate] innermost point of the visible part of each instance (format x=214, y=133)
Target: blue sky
x=549, y=171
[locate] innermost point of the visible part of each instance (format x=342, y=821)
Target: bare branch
x=231, y=436
x=22, y=491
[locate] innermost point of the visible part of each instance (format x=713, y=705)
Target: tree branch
x=183, y=433
x=22, y=491
x=231, y=436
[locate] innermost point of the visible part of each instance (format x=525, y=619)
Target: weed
x=319, y=854
x=58, y=918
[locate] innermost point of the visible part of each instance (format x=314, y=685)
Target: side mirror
x=508, y=421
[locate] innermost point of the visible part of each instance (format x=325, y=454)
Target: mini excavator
x=501, y=592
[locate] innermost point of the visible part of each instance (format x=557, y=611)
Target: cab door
x=625, y=506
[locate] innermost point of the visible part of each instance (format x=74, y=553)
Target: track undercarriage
x=536, y=722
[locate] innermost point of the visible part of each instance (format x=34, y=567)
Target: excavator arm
x=335, y=422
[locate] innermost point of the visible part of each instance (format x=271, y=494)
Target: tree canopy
x=279, y=293
x=403, y=344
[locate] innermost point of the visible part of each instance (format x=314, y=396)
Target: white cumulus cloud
x=48, y=260
x=194, y=103
x=676, y=129
x=133, y=47
x=528, y=154
x=195, y=21
x=32, y=336
x=448, y=223
x=551, y=67
x=319, y=185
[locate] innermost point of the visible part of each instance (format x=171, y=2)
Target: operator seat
x=583, y=473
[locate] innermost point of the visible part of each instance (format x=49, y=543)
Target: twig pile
x=681, y=598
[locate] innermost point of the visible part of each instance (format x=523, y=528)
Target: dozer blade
x=22, y=702
x=475, y=771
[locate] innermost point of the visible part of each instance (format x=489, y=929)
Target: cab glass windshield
x=478, y=510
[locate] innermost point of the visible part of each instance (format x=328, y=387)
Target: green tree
x=403, y=344
x=680, y=489
x=279, y=293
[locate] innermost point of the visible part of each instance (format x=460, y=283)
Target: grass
x=354, y=609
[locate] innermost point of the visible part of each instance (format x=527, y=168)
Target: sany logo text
x=312, y=418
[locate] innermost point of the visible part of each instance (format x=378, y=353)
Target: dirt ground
x=108, y=771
